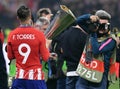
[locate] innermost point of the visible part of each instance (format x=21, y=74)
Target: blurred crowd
x=8, y=8
x=9, y=21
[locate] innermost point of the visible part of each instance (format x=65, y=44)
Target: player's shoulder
x=38, y=31
x=39, y=34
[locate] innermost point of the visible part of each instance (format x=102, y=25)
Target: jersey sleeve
x=103, y=47
x=43, y=49
x=82, y=21
x=9, y=48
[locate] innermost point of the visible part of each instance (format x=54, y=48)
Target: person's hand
x=94, y=18
x=53, y=56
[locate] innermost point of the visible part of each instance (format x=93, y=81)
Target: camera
x=104, y=26
x=93, y=26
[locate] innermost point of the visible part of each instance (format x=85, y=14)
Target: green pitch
x=116, y=85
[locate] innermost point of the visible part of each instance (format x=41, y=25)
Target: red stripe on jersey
x=33, y=74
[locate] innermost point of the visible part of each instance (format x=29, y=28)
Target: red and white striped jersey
x=27, y=45
x=33, y=74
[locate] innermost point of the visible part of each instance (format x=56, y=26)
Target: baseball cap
x=102, y=14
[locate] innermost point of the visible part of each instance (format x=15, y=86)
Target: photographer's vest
x=93, y=71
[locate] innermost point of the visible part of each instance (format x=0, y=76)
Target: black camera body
x=93, y=26
x=104, y=26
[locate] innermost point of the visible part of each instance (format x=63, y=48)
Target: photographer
x=101, y=45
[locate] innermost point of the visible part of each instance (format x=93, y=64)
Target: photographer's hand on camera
x=93, y=24
x=94, y=18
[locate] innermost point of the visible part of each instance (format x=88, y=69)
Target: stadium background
x=8, y=20
x=8, y=9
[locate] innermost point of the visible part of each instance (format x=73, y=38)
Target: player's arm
x=43, y=49
x=9, y=49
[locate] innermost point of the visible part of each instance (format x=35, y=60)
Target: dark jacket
x=3, y=71
x=56, y=46
x=73, y=43
x=118, y=55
